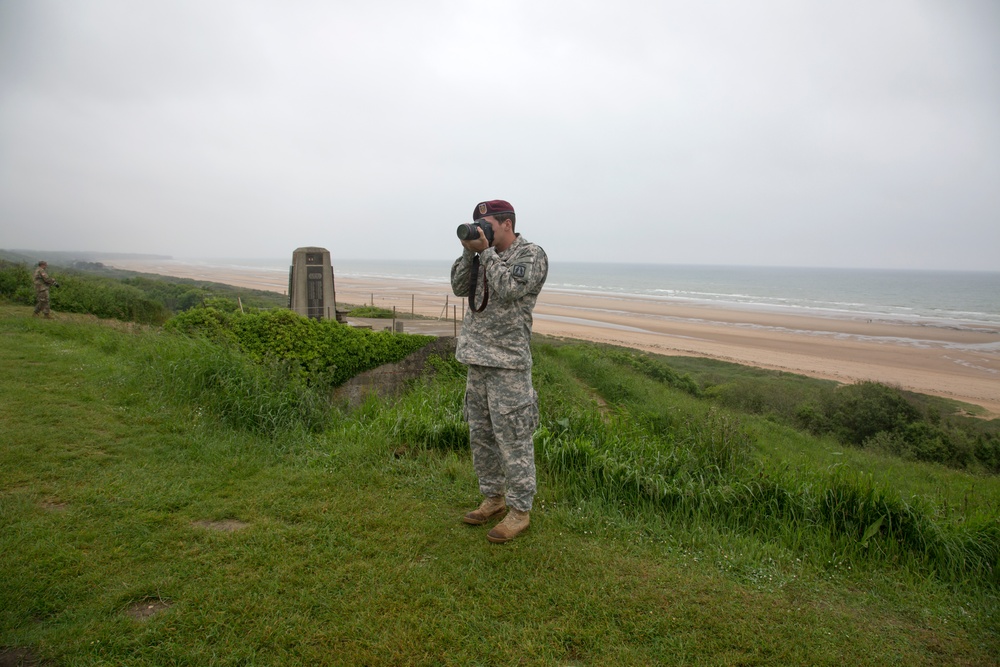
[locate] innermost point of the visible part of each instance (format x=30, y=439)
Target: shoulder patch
x=519, y=270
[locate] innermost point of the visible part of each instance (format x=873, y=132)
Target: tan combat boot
x=488, y=509
x=515, y=523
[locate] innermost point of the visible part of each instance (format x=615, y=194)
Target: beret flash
x=492, y=207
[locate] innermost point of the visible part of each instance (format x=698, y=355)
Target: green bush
x=921, y=441
x=321, y=352
x=862, y=410
x=15, y=283
x=209, y=323
x=220, y=303
x=986, y=449
x=106, y=298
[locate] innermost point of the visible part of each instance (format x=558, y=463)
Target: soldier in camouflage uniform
x=501, y=405
x=42, y=284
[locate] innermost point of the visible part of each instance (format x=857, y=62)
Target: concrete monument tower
x=310, y=284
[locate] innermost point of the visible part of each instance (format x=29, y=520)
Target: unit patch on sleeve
x=519, y=270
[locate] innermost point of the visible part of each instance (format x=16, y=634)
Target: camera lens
x=470, y=231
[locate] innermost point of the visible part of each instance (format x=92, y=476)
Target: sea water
x=943, y=298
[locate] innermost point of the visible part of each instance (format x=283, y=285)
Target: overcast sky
x=855, y=133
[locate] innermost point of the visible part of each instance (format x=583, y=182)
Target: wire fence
x=406, y=306
x=446, y=309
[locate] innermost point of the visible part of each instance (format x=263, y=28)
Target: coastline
x=958, y=363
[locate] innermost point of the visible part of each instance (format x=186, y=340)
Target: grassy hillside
x=123, y=295
x=140, y=527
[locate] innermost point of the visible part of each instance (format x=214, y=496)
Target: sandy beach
x=958, y=363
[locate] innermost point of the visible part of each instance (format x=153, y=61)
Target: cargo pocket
x=520, y=417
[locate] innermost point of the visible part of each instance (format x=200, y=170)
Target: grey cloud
x=852, y=134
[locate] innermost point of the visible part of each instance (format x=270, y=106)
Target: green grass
x=352, y=551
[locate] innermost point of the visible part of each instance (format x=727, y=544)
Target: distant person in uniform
x=501, y=273
x=42, y=284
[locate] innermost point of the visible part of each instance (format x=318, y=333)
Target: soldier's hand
x=479, y=244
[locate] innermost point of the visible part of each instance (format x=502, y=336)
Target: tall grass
x=427, y=417
x=264, y=398
x=659, y=448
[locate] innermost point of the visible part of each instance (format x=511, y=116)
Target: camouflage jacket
x=42, y=280
x=500, y=335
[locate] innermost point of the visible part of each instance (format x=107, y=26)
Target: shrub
x=220, y=303
x=106, y=298
x=206, y=322
x=15, y=283
x=860, y=411
x=986, y=449
x=320, y=352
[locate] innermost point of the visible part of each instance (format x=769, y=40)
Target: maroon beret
x=491, y=207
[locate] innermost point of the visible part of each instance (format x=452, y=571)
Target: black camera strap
x=473, y=279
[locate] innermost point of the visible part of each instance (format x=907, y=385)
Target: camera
x=470, y=231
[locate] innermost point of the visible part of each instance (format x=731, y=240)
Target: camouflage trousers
x=42, y=301
x=501, y=407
